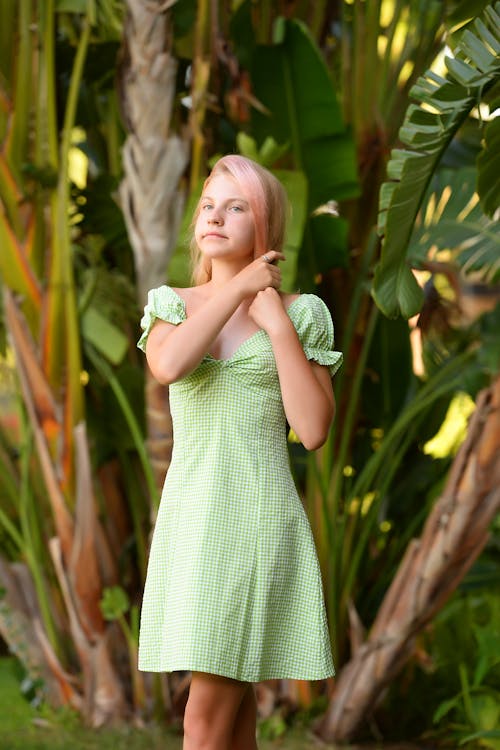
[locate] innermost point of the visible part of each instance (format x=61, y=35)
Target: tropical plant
x=319, y=97
x=394, y=291
x=472, y=715
x=454, y=534
x=444, y=104
x=61, y=553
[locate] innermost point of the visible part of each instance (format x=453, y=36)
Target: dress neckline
x=245, y=341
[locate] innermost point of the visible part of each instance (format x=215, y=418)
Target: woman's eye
x=205, y=206
x=236, y=208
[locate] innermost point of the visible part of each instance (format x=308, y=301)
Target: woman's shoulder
x=164, y=304
x=289, y=298
x=183, y=295
x=306, y=301
x=191, y=296
x=165, y=295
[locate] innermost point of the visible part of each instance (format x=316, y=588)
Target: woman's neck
x=223, y=270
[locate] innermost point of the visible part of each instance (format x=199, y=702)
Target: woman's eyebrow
x=228, y=200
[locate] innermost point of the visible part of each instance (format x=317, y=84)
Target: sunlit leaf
x=444, y=104
x=451, y=219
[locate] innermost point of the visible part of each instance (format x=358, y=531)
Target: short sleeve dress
x=233, y=585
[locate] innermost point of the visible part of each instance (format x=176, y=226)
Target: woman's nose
x=215, y=216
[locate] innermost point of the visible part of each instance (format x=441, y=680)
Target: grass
x=23, y=727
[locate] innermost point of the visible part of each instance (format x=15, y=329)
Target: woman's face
x=225, y=227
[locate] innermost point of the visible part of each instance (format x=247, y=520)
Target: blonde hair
x=267, y=200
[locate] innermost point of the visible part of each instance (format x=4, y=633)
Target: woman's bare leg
x=245, y=725
x=211, y=711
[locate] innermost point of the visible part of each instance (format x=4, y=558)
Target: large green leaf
x=488, y=164
x=107, y=338
x=329, y=235
x=444, y=103
x=292, y=81
x=459, y=11
x=295, y=185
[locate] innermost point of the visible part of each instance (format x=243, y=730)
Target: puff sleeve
x=162, y=303
x=315, y=329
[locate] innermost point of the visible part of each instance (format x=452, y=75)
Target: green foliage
x=451, y=219
x=104, y=336
x=459, y=11
x=467, y=649
x=114, y=603
x=272, y=728
x=368, y=491
x=444, y=104
x=488, y=165
x=449, y=693
x=267, y=154
x=489, y=355
x=27, y=727
x=302, y=109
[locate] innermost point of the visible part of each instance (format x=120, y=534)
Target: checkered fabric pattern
x=233, y=585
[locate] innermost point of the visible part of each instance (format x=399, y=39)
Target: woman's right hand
x=259, y=274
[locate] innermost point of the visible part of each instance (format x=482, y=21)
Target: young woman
x=233, y=590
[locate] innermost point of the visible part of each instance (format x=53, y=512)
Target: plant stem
x=35, y=566
x=137, y=436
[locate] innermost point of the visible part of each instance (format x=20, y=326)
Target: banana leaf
x=451, y=219
x=488, y=163
x=443, y=105
x=292, y=81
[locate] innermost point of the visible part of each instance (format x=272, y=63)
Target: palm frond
x=443, y=105
x=452, y=224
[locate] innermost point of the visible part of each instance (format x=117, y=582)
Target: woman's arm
x=175, y=351
x=306, y=387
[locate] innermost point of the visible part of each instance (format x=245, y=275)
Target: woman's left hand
x=268, y=311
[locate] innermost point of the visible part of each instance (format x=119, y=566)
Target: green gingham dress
x=233, y=585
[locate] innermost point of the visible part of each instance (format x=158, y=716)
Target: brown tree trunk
x=454, y=535
x=154, y=161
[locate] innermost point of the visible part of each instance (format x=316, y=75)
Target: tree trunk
x=154, y=161
x=454, y=535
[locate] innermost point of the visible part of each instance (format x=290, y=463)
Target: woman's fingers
x=260, y=274
x=272, y=256
x=275, y=276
